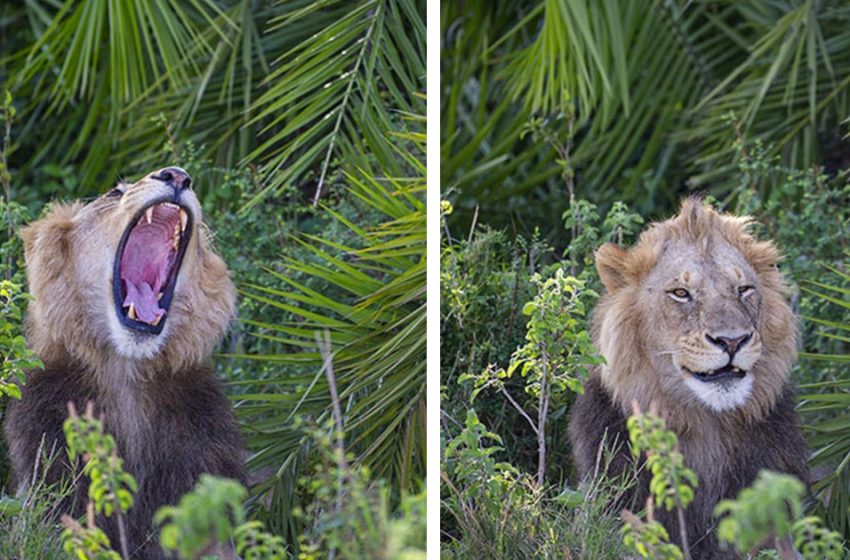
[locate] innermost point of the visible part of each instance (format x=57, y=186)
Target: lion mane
x=694, y=325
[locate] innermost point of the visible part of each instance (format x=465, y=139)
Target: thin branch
x=519, y=408
x=542, y=413
x=324, y=342
x=683, y=533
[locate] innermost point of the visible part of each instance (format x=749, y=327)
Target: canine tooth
x=157, y=320
x=159, y=296
x=184, y=219
x=149, y=214
x=131, y=313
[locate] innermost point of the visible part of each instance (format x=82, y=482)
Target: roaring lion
x=129, y=301
x=694, y=324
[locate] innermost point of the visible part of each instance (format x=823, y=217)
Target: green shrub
x=772, y=508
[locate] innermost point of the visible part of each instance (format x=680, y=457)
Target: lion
x=129, y=300
x=694, y=324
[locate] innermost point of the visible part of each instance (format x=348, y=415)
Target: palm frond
x=376, y=324
x=330, y=98
x=825, y=407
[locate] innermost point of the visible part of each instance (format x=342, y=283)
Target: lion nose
x=729, y=344
x=177, y=178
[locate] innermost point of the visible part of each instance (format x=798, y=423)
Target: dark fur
x=774, y=443
x=192, y=431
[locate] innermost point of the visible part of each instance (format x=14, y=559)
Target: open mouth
x=147, y=263
x=726, y=373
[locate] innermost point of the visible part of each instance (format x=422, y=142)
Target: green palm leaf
x=376, y=324
x=825, y=407
x=332, y=97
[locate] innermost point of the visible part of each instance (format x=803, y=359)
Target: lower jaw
x=722, y=377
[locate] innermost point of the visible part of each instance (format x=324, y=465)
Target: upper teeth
x=184, y=219
x=149, y=214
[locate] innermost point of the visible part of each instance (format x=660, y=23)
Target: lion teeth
x=157, y=320
x=149, y=214
x=131, y=313
x=184, y=219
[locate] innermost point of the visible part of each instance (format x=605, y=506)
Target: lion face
x=130, y=275
x=708, y=305
x=695, y=317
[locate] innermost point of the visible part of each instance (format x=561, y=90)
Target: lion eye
x=115, y=193
x=744, y=291
x=680, y=294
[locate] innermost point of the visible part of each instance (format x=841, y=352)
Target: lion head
x=130, y=276
x=695, y=320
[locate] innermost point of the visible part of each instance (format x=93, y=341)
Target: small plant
x=86, y=543
x=672, y=484
x=15, y=357
x=556, y=357
x=349, y=516
x=211, y=515
x=253, y=543
x=111, y=489
x=772, y=507
x=649, y=539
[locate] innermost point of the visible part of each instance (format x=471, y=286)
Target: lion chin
x=694, y=325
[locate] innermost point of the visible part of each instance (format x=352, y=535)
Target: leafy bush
x=492, y=509
x=772, y=507
x=555, y=359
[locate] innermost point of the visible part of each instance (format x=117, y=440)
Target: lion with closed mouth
x=129, y=301
x=694, y=324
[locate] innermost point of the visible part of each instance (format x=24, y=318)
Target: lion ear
x=611, y=264
x=47, y=243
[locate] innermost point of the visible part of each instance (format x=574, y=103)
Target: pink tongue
x=145, y=265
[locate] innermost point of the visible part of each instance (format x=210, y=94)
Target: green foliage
x=367, y=290
x=649, y=539
x=15, y=357
x=825, y=404
x=291, y=88
x=558, y=349
x=111, y=489
x=468, y=460
x=253, y=543
x=651, y=84
x=558, y=344
x=86, y=543
x=205, y=516
x=211, y=515
x=772, y=507
x=28, y=522
x=555, y=358
x=672, y=483
x=492, y=509
x=350, y=514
